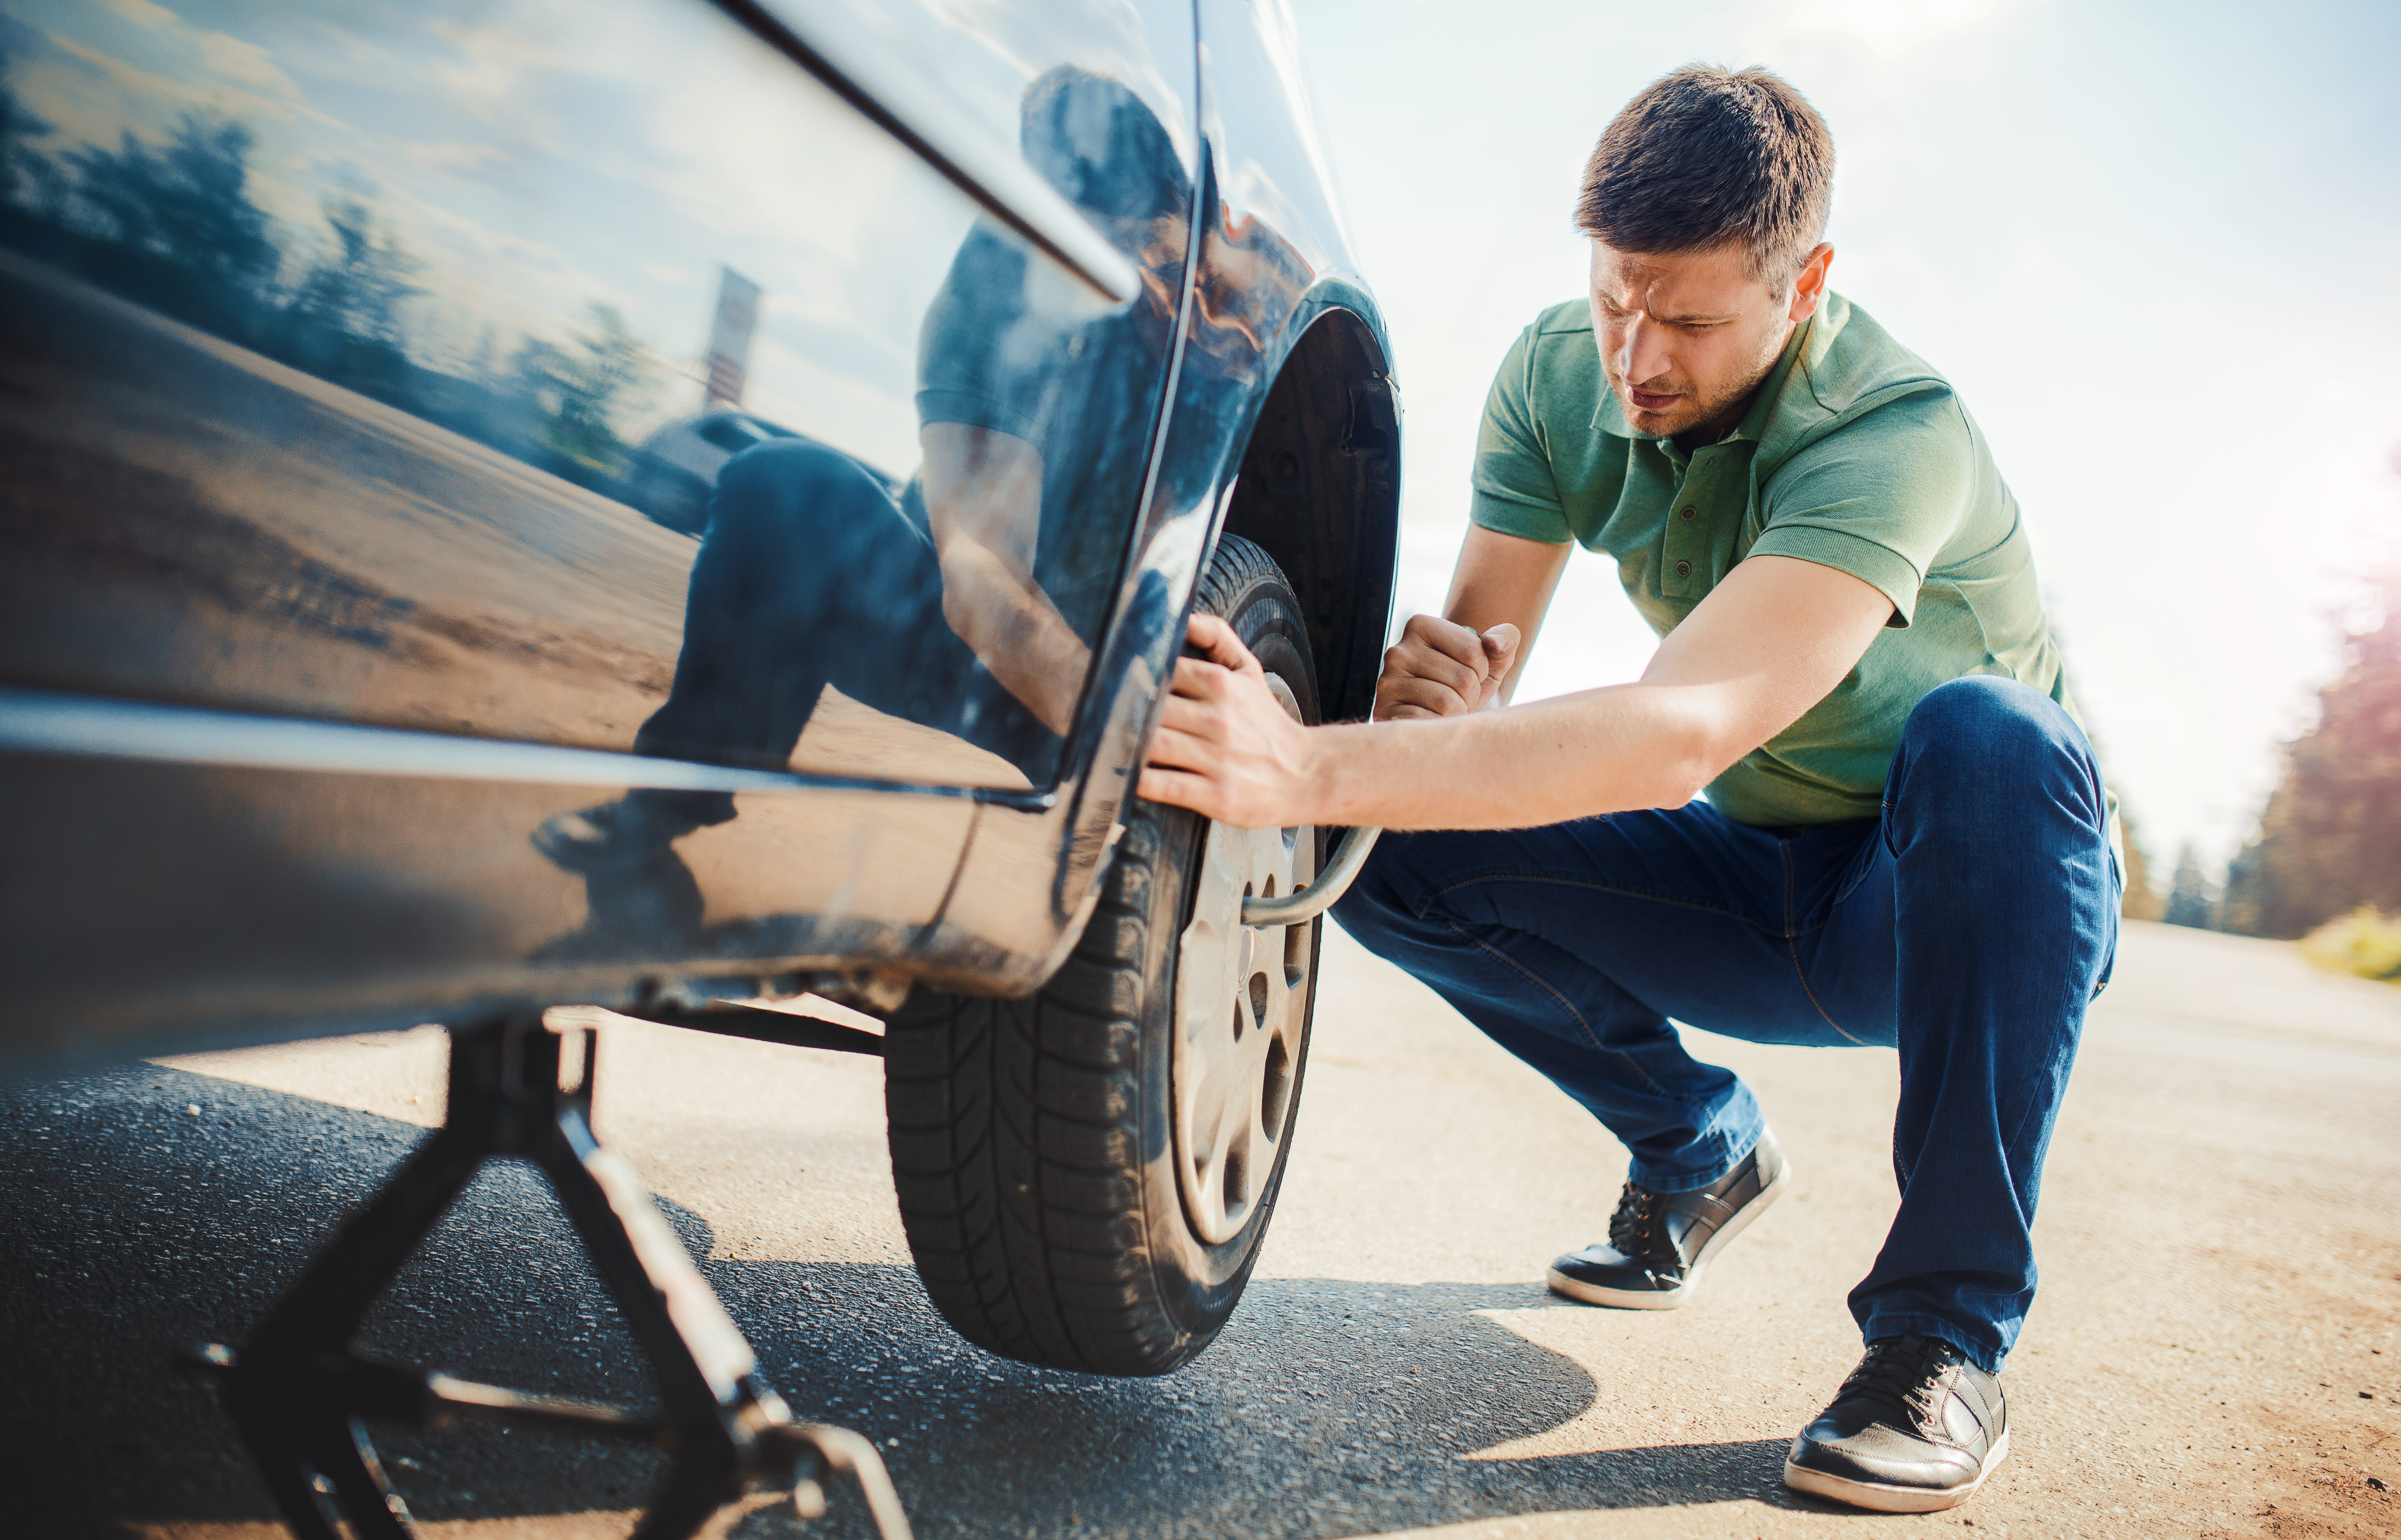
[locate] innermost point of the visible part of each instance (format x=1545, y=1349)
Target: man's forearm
x=1627, y=746
x=1768, y=643
x=1013, y=627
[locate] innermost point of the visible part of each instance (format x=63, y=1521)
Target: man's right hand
x=1440, y=668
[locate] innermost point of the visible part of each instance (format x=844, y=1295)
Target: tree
x=25, y=172
x=176, y=225
x=2330, y=839
x=2189, y=900
x=357, y=289
x=2141, y=901
x=345, y=320
x=584, y=390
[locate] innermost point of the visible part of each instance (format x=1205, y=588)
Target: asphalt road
x=2214, y=1351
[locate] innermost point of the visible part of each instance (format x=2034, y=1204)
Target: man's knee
x=1983, y=715
x=797, y=488
x=1986, y=739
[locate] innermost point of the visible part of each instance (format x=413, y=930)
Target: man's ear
x=1809, y=287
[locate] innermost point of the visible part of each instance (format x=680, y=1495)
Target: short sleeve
x=1879, y=497
x=967, y=353
x=1515, y=491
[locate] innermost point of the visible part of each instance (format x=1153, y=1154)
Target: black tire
x=1032, y=1142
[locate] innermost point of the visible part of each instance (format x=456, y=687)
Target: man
x=1905, y=837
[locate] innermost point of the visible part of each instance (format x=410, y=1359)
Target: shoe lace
x=1903, y=1375
x=1633, y=1230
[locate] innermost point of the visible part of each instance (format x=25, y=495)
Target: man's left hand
x=1226, y=748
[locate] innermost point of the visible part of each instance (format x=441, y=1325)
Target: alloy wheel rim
x=1241, y=1004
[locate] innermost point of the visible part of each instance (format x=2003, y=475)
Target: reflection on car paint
x=978, y=62
x=676, y=467
x=418, y=276
x=966, y=601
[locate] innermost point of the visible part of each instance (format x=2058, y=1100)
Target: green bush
x=2361, y=942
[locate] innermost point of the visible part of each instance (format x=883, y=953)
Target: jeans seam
x=1792, y=947
x=1434, y=893
x=1565, y=1004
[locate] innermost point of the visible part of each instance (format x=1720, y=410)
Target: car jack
x=301, y=1394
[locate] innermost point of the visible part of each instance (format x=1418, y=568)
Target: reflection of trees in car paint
x=533, y=158
x=176, y=228
x=587, y=389
x=225, y=224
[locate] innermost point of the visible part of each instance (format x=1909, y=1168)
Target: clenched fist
x=1440, y=668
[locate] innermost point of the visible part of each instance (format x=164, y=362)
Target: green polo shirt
x=1855, y=456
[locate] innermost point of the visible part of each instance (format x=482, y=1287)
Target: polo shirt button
x=1684, y=569
x=1690, y=512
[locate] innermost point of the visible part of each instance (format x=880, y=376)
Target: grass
x=2361, y=942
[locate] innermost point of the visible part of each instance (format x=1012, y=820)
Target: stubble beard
x=1693, y=412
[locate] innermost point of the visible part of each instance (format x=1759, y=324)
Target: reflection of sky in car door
x=540, y=157
x=1256, y=71
x=978, y=56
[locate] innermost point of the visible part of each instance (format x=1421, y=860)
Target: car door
x=352, y=347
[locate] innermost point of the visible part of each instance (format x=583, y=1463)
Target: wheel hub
x=1241, y=993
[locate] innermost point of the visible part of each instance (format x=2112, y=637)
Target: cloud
x=153, y=90
x=236, y=59
x=457, y=157
x=142, y=13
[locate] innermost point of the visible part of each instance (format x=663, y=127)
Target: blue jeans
x=815, y=572
x=1968, y=927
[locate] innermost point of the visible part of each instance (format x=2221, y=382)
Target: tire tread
x=1015, y=1124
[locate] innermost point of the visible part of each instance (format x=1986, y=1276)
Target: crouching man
x=1905, y=839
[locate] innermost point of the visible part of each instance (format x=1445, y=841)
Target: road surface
x=2214, y=1351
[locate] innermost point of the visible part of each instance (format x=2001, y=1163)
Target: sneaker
x=1659, y=1242
x=1914, y=1429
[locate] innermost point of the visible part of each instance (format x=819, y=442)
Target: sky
x=2156, y=247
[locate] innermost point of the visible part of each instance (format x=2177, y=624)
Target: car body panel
x=447, y=646
x=398, y=467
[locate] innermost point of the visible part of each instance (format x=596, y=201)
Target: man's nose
x=1643, y=355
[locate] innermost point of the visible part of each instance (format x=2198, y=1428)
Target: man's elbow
x=1692, y=755
x=1680, y=786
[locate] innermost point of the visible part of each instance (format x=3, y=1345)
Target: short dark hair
x=1706, y=158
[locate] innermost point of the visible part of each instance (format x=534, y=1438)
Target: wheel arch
x=1318, y=488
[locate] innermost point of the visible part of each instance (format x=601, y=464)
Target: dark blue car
x=667, y=505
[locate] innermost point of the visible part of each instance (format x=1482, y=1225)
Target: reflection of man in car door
x=969, y=601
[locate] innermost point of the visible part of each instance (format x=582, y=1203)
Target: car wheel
x=1085, y=1175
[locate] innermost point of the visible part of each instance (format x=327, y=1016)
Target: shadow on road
x=132, y=1224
